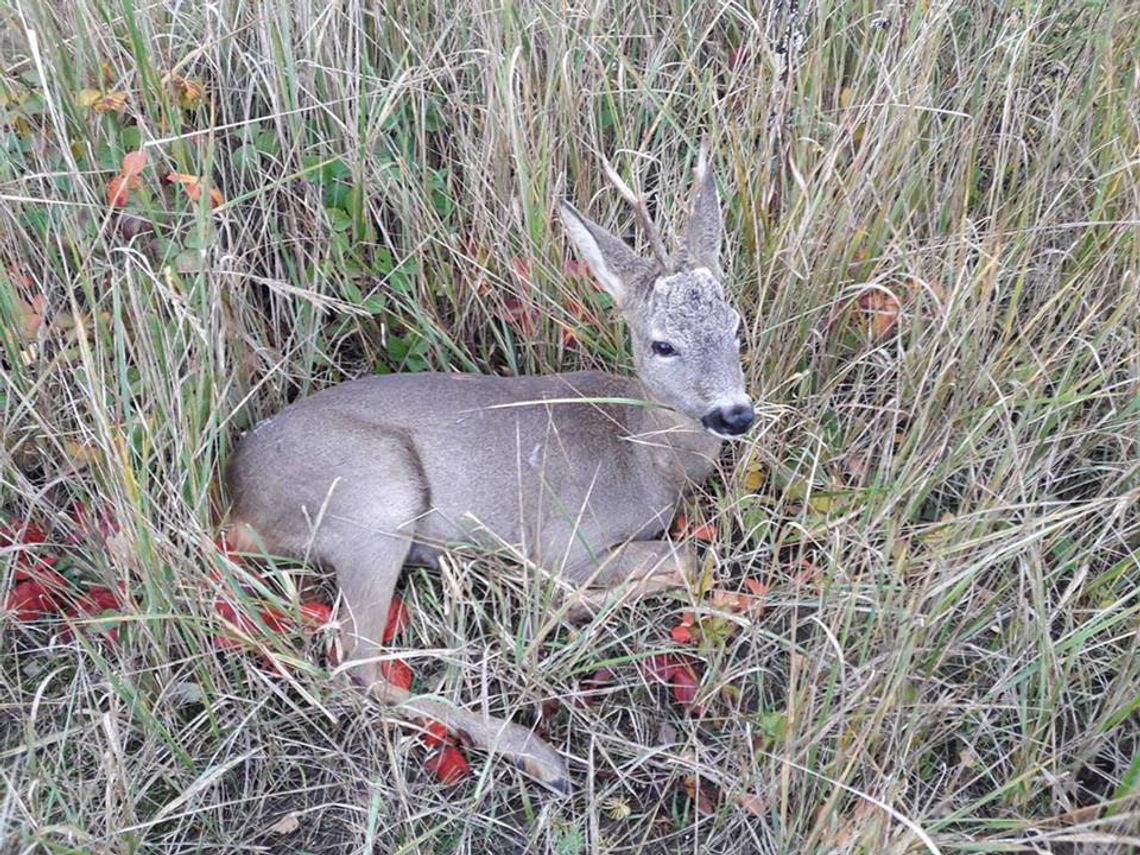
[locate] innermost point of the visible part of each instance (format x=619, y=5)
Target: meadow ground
x=932, y=214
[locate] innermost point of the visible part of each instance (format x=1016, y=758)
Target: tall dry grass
x=942, y=499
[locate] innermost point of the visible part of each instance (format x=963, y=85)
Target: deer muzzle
x=730, y=420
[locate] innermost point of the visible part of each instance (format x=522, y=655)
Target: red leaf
x=436, y=734
x=685, y=686
x=706, y=532
x=315, y=615
x=882, y=309
x=244, y=579
x=519, y=315
x=32, y=312
x=83, y=606
x=236, y=620
x=705, y=795
x=111, y=634
x=397, y=619
x=572, y=268
x=449, y=765
x=100, y=522
x=97, y=602
x=580, y=313
x=682, y=633
x=133, y=164
x=189, y=184
x=678, y=674
x=226, y=642
x=17, y=534
x=521, y=269
x=104, y=599
x=758, y=588
x=193, y=185
x=29, y=601
x=396, y=672
x=228, y=613
x=26, y=571
x=275, y=620
x=661, y=667
x=575, y=308
x=118, y=188
x=48, y=579
x=24, y=537
x=19, y=279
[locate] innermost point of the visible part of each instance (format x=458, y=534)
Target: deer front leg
x=631, y=571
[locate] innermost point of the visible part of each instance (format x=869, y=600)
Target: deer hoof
x=553, y=777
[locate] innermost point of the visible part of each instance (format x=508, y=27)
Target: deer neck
x=679, y=449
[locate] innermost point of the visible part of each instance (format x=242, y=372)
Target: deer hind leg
x=366, y=578
x=630, y=571
x=360, y=519
x=367, y=561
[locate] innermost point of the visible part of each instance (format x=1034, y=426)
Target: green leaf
x=247, y=158
x=131, y=138
x=266, y=143
x=338, y=195
x=440, y=199
x=407, y=352
x=339, y=221
x=336, y=170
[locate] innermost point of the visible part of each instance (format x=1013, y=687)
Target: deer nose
x=729, y=421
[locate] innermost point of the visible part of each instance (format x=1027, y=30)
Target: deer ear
x=705, y=226
x=617, y=267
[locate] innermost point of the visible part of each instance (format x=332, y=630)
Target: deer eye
x=663, y=348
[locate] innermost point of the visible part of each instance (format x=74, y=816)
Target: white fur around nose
x=727, y=403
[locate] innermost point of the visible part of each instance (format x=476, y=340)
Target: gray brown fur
x=370, y=474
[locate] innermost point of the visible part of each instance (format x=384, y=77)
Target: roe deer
x=580, y=471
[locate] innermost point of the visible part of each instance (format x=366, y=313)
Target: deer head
x=684, y=333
